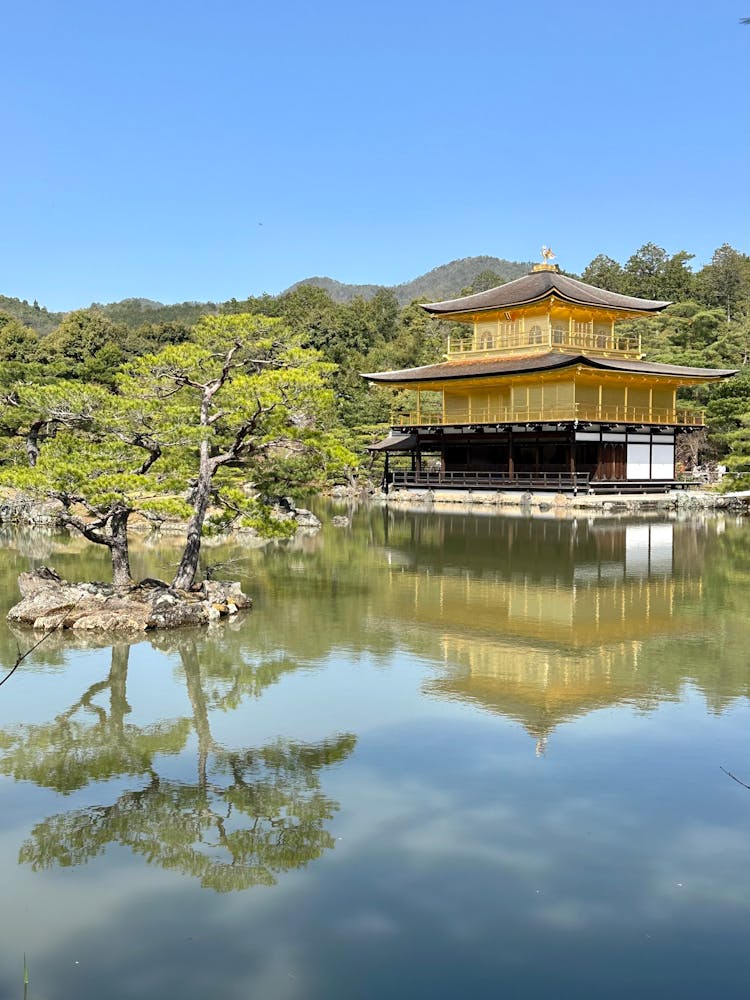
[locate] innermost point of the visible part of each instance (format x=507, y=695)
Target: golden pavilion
x=539, y=390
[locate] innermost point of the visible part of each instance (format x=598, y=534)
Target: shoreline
x=21, y=512
x=560, y=504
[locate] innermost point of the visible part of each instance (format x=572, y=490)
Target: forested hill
x=135, y=312
x=35, y=316
x=444, y=282
x=132, y=313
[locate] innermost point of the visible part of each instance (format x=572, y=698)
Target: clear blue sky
x=185, y=150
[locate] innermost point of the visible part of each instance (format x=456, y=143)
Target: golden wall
x=584, y=398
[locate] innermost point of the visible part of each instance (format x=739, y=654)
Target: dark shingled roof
x=395, y=442
x=481, y=367
x=539, y=285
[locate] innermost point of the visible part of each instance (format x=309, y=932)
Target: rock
x=305, y=518
x=356, y=491
x=49, y=602
x=223, y=592
x=284, y=508
x=341, y=521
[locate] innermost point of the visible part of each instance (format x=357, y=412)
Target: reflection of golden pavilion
x=537, y=687
x=545, y=650
x=632, y=590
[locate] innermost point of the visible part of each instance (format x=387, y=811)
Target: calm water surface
x=445, y=755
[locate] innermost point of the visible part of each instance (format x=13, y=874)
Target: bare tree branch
x=734, y=776
x=22, y=656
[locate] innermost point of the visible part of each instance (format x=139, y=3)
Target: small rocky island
x=49, y=602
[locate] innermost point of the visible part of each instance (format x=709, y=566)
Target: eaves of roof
x=483, y=367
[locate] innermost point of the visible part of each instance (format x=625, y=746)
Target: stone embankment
x=19, y=508
x=48, y=602
x=561, y=503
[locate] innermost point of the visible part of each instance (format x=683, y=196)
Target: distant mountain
x=443, y=282
x=131, y=312
x=338, y=290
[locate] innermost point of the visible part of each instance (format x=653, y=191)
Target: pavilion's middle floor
x=559, y=395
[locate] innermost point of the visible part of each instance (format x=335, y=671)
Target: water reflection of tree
x=88, y=742
x=249, y=815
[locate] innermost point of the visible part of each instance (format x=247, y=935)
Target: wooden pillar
x=511, y=470
x=573, y=460
x=385, y=475
x=419, y=407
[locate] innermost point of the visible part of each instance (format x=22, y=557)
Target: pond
x=445, y=755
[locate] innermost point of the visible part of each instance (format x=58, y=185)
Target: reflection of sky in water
x=463, y=864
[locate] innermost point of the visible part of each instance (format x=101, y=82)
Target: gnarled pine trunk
x=186, y=571
x=118, y=549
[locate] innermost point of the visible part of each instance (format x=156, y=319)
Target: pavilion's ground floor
x=562, y=457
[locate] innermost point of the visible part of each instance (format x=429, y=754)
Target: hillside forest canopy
x=103, y=404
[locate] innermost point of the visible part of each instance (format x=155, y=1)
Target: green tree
x=151, y=337
x=86, y=345
x=187, y=428
x=727, y=412
x=692, y=327
x=604, y=272
x=645, y=271
x=18, y=342
x=678, y=281
x=243, y=402
x=483, y=282
x=36, y=411
x=725, y=282
x=98, y=480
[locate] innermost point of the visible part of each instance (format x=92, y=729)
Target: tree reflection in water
x=250, y=814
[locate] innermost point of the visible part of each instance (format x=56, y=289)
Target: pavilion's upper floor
x=540, y=330
x=543, y=311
